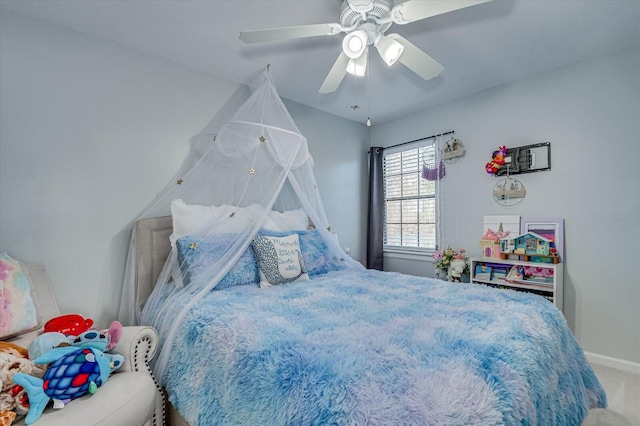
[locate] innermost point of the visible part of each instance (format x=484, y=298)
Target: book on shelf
x=499, y=273
x=535, y=283
x=483, y=272
x=539, y=279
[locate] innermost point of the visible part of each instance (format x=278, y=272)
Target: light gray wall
x=590, y=112
x=91, y=131
x=339, y=148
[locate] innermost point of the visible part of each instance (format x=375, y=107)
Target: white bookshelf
x=551, y=290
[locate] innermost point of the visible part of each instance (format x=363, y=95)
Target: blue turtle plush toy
x=103, y=340
x=73, y=372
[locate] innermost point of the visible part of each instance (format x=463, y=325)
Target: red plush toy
x=497, y=161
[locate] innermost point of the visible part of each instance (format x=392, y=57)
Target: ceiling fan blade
x=414, y=10
x=336, y=75
x=417, y=60
x=287, y=33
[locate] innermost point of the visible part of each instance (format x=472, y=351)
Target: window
x=410, y=200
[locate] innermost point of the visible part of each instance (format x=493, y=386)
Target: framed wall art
x=508, y=224
x=551, y=228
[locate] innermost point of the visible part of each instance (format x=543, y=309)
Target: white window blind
x=410, y=200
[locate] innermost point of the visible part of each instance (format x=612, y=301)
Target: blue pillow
x=317, y=259
x=194, y=261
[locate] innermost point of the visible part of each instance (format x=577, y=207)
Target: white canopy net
x=258, y=163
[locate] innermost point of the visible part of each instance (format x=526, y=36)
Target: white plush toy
x=456, y=268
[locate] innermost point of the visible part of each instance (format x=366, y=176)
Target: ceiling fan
x=365, y=23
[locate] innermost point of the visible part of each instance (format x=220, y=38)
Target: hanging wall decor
x=509, y=192
x=525, y=159
x=433, y=172
x=452, y=151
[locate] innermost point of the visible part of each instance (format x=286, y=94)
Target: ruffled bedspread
x=355, y=348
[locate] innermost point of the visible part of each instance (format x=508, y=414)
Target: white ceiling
x=480, y=47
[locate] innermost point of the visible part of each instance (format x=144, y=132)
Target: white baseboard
x=609, y=361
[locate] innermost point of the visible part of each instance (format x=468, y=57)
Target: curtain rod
x=421, y=139
x=418, y=140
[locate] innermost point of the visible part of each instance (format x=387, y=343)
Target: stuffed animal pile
x=13, y=398
x=55, y=367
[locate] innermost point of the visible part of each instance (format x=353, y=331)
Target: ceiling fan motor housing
x=381, y=11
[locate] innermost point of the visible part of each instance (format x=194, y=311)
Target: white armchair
x=129, y=397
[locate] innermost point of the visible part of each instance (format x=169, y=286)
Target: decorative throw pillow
x=317, y=258
x=195, y=255
x=17, y=310
x=279, y=259
x=193, y=219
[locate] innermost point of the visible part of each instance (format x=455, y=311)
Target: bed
x=369, y=347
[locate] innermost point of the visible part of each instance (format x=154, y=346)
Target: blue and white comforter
x=369, y=347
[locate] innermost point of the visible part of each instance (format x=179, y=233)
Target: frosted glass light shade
x=354, y=44
x=358, y=66
x=389, y=49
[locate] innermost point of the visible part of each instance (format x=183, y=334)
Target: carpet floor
x=623, y=396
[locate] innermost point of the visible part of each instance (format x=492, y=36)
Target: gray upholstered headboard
x=152, y=249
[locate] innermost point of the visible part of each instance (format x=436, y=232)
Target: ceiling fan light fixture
x=390, y=50
x=354, y=44
x=358, y=66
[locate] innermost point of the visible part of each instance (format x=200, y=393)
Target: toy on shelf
x=515, y=274
x=490, y=242
x=530, y=246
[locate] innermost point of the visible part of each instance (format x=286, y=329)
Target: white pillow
x=291, y=220
x=279, y=260
x=194, y=219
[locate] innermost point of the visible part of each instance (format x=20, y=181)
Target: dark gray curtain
x=375, y=258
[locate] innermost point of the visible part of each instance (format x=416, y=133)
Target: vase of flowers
x=451, y=265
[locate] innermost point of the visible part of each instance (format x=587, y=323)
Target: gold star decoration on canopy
x=252, y=171
x=179, y=182
x=262, y=139
x=193, y=246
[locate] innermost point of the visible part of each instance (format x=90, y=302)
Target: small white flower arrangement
x=450, y=265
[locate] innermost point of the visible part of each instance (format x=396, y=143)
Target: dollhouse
x=528, y=243
x=490, y=242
